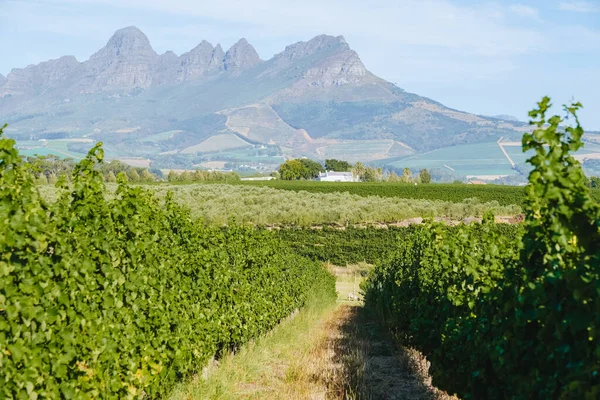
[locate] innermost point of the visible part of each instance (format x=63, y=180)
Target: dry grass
x=290, y=363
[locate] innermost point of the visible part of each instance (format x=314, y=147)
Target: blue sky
x=486, y=57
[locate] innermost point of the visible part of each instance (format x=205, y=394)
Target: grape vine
x=507, y=316
x=122, y=298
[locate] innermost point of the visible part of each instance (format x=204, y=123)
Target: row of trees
x=48, y=169
x=202, y=176
x=407, y=177
x=305, y=169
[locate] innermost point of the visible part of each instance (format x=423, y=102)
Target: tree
x=337, y=165
x=359, y=170
x=172, y=176
x=133, y=175
x=372, y=175
x=291, y=170
x=393, y=177
x=424, y=176
x=311, y=168
x=407, y=175
x=110, y=177
x=147, y=176
x=186, y=176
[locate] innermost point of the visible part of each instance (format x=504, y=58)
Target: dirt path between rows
x=336, y=353
x=370, y=365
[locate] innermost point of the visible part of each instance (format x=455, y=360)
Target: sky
x=484, y=57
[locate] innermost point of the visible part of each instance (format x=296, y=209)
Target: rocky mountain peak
x=315, y=45
x=342, y=68
x=196, y=61
x=37, y=78
x=127, y=61
x=2, y=79
x=203, y=47
x=127, y=41
x=241, y=56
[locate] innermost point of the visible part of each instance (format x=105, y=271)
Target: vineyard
x=506, y=316
x=118, y=291
x=456, y=193
x=123, y=297
x=359, y=245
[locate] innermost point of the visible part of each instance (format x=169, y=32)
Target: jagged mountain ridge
x=128, y=61
x=311, y=96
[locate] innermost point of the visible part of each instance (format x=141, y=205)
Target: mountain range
x=314, y=99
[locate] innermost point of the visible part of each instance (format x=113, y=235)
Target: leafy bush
x=114, y=298
x=505, y=316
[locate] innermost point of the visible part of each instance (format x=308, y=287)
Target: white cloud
x=579, y=6
x=525, y=11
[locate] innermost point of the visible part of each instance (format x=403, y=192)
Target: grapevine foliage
x=121, y=298
x=507, y=316
x=354, y=244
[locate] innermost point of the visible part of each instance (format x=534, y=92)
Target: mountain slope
x=306, y=99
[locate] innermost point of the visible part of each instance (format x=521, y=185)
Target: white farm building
x=330, y=176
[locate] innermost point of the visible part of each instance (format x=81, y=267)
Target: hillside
x=315, y=98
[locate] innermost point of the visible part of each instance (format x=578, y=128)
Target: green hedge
x=507, y=316
x=115, y=298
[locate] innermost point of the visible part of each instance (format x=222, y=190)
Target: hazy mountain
x=2, y=79
x=314, y=98
x=506, y=117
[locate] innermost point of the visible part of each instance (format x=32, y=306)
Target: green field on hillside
x=243, y=155
x=56, y=147
x=473, y=159
x=353, y=151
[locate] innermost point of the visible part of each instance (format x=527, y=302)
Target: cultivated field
x=456, y=193
x=474, y=159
